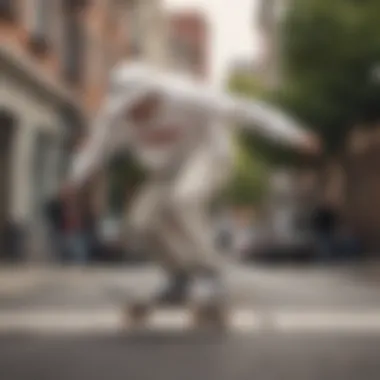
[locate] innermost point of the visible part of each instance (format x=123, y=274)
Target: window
x=7, y=133
x=74, y=48
x=184, y=54
x=75, y=5
x=94, y=58
x=112, y=55
x=39, y=23
x=7, y=10
x=121, y=5
x=42, y=157
x=134, y=30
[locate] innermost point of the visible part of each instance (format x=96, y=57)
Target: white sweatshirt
x=190, y=115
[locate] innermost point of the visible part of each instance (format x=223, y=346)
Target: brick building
x=359, y=186
x=188, y=35
x=55, y=56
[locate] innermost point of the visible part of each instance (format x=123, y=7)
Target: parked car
x=236, y=241
x=114, y=246
x=298, y=246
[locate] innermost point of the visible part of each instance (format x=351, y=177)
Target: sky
x=232, y=31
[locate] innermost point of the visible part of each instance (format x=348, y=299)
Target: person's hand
x=311, y=144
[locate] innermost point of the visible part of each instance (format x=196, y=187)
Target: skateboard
x=189, y=315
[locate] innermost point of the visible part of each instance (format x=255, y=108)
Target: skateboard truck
x=210, y=315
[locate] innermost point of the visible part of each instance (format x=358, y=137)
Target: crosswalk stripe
x=170, y=319
x=319, y=321
x=240, y=320
x=57, y=321
x=245, y=320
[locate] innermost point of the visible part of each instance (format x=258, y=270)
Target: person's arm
x=253, y=115
x=270, y=122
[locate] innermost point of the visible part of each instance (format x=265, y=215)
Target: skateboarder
x=180, y=131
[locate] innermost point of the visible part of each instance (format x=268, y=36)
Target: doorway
x=7, y=131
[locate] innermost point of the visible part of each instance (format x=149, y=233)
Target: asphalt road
x=165, y=356
x=313, y=323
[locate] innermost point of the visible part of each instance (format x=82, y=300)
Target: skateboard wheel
x=138, y=312
x=210, y=315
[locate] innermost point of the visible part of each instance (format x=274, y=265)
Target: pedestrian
x=89, y=227
x=325, y=222
x=54, y=212
x=76, y=240
x=179, y=130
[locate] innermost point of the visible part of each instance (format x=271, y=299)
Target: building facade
x=358, y=192
x=146, y=22
x=55, y=57
x=187, y=42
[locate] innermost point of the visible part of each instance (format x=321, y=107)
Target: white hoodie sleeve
x=269, y=121
x=254, y=115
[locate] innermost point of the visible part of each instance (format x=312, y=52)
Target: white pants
x=172, y=215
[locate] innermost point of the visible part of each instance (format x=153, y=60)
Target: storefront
x=33, y=132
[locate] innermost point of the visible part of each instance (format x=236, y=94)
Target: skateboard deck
x=139, y=315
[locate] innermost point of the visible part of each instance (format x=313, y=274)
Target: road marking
x=13, y=286
x=327, y=321
x=60, y=321
x=245, y=320
x=239, y=320
x=174, y=319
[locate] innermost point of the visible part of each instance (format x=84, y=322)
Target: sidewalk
x=19, y=280
x=24, y=279
x=368, y=271
x=22, y=282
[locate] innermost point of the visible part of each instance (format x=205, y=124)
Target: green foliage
x=249, y=181
x=330, y=51
x=247, y=85
x=254, y=154
x=124, y=175
x=261, y=149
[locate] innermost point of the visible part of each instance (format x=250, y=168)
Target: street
x=154, y=127
x=293, y=323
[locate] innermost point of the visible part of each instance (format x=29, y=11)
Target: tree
x=124, y=176
x=249, y=182
x=331, y=51
x=247, y=85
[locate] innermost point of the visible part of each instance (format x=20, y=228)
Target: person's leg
x=151, y=227
x=81, y=248
x=202, y=178
x=57, y=245
x=143, y=219
x=178, y=250
x=69, y=247
x=324, y=248
x=75, y=247
x=176, y=259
